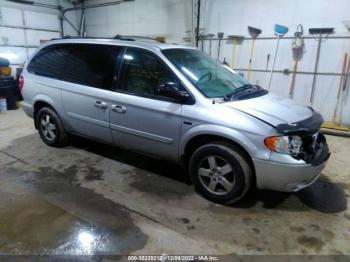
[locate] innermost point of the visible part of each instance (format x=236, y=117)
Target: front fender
x=236, y=136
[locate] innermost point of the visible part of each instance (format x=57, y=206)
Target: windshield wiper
x=231, y=96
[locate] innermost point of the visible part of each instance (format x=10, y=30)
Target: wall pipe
x=29, y=28
x=284, y=38
x=198, y=22
x=82, y=20
x=287, y=72
x=25, y=2
x=64, y=11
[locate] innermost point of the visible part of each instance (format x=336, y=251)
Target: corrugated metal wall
x=23, y=27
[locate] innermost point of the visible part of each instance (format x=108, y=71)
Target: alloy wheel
x=216, y=175
x=48, y=127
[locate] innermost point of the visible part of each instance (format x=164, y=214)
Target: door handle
x=119, y=109
x=101, y=105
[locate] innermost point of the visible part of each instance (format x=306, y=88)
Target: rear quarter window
x=49, y=62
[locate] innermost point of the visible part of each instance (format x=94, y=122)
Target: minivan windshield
x=209, y=76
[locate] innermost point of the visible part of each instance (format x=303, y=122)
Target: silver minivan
x=178, y=104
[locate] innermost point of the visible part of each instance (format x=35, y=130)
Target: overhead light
x=9, y=55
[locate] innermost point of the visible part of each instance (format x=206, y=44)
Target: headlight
x=290, y=145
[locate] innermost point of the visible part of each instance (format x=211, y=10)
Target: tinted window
x=85, y=64
x=143, y=72
x=49, y=62
x=92, y=65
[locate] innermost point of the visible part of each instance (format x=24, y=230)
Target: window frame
x=117, y=87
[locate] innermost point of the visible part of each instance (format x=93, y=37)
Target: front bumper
x=293, y=176
x=284, y=177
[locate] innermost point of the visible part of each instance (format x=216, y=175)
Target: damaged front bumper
x=292, y=173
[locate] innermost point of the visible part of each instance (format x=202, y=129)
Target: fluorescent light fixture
x=189, y=73
x=8, y=55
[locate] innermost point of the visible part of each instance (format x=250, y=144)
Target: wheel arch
x=197, y=139
x=41, y=101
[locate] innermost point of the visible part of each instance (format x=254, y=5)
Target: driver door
x=140, y=118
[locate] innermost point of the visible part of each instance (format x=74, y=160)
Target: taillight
x=21, y=83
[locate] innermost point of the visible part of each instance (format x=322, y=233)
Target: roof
x=123, y=42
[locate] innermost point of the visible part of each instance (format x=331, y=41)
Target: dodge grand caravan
x=174, y=103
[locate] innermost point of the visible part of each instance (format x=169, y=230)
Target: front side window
x=205, y=73
x=143, y=73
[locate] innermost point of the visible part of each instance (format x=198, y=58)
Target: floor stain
x=311, y=242
x=184, y=220
x=314, y=227
x=328, y=234
x=55, y=216
x=91, y=173
x=297, y=229
x=162, y=188
x=256, y=230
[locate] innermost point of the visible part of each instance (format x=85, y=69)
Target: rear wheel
x=50, y=128
x=220, y=172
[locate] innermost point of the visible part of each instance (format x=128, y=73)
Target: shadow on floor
x=323, y=196
x=153, y=165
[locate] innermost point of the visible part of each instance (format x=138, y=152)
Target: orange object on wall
x=5, y=71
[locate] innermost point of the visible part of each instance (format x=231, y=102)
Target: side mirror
x=173, y=90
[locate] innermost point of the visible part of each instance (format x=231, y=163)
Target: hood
x=273, y=109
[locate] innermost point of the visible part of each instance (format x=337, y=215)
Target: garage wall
x=233, y=17
x=169, y=18
x=173, y=18
x=16, y=43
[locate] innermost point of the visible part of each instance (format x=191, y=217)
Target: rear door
x=141, y=119
x=89, y=75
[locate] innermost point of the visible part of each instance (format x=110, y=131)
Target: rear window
x=85, y=64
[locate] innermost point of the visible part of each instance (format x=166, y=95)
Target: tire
x=58, y=137
x=230, y=181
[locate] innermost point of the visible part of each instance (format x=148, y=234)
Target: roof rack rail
x=125, y=38
x=89, y=37
x=117, y=37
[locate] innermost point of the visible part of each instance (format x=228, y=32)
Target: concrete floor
x=89, y=198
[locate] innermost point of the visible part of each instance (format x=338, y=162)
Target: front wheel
x=220, y=172
x=50, y=128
